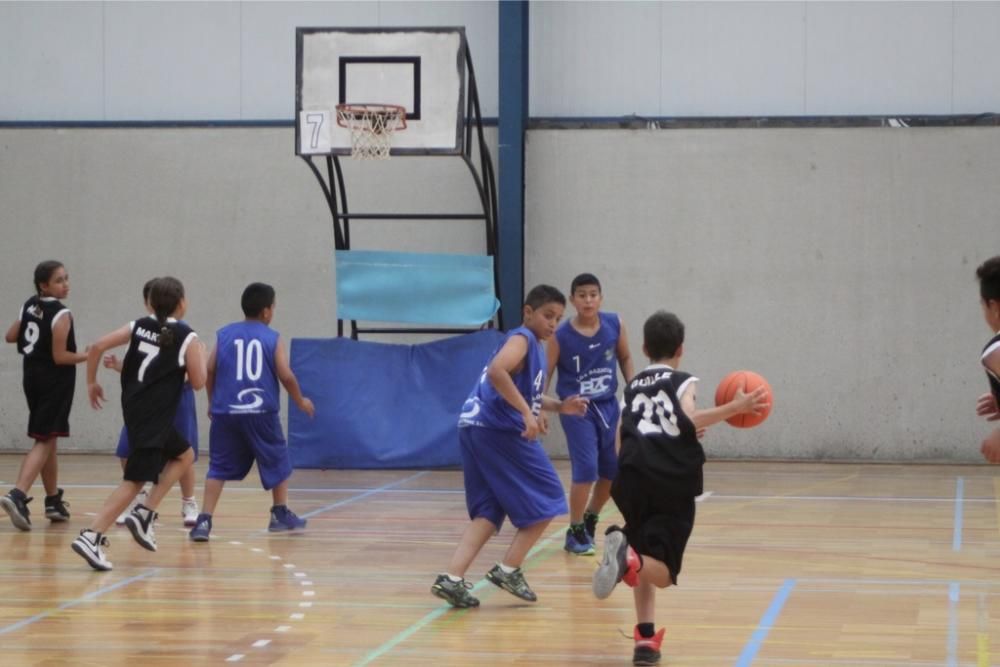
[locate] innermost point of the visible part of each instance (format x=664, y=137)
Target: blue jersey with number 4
x=588, y=365
x=486, y=407
x=245, y=378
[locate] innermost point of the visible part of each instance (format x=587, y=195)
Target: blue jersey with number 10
x=245, y=378
x=486, y=407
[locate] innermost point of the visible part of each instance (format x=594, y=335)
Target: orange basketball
x=727, y=390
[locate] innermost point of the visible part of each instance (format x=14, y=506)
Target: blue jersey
x=486, y=407
x=588, y=365
x=245, y=377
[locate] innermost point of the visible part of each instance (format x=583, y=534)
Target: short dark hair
x=256, y=297
x=44, y=271
x=543, y=294
x=988, y=274
x=147, y=288
x=663, y=334
x=583, y=280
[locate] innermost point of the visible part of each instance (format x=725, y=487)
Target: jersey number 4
x=657, y=414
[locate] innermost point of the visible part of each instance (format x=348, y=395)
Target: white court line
x=704, y=496
x=297, y=617
x=261, y=643
x=283, y=628
x=306, y=583
x=308, y=594
x=305, y=605
x=236, y=657
x=289, y=566
x=300, y=574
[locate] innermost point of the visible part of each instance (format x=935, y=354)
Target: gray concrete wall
x=837, y=262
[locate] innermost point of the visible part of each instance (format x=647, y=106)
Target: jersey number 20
x=657, y=414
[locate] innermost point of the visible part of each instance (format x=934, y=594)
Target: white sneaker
x=189, y=510
x=88, y=545
x=140, y=499
x=140, y=524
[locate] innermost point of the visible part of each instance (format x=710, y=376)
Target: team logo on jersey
x=256, y=398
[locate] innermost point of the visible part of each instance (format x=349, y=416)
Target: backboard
x=420, y=69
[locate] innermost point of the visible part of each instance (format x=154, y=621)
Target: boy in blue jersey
x=244, y=370
x=507, y=473
x=586, y=349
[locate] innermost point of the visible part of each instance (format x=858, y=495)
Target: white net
x=371, y=127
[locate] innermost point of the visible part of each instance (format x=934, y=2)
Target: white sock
x=187, y=499
x=453, y=578
x=507, y=569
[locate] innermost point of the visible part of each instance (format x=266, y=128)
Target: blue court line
x=765, y=625
x=72, y=603
x=956, y=540
x=362, y=496
x=954, y=590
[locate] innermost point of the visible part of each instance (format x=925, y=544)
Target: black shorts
x=144, y=464
x=656, y=525
x=50, y=398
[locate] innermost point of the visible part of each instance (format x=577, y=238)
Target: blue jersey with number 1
x=245, y=378
x=486, y=407
x=588, y=365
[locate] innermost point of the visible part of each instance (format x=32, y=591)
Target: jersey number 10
x=250, y=364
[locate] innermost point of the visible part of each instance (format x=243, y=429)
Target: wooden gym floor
x=790, y=564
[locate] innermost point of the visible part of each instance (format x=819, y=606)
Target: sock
x=646, y=630
x=187, y=499
x=453, y=578
x=507, y=569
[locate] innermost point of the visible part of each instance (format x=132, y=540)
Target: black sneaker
x=140, y=524
x=88, y=545
x=455, y=593
x=590, y=520
x=16, y=505
x=55, y=508
x=513, y=583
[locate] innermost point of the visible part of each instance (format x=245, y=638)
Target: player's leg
x=56, y=509
x=607, y=463
x=266, y=440
x=531, y=494
x=485, y=516
x=229, y=458
x=581, y=440
x=89, y=544
x=189, y=504
x=15, y=503
x=186, y=423
x=647, y=641
x=121, y=451
x=178, y=456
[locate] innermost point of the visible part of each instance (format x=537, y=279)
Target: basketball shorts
x=508, y=476
x=236, y=441
x=50, y=398
x=146, y=463
x=656, y=524
x=185, y=421
x=591, y=441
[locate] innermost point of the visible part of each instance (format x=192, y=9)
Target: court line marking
x=78, y=601
x=362, y=496
x=766, y=623
x=956, y=540
x=954, y=593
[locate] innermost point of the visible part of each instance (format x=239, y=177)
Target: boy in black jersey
x=988, y=405
x=659, y=475
x=44, y=335
x=161, y=350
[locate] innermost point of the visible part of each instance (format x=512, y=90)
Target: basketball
x=727, y=390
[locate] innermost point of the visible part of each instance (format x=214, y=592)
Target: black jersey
x=152, y=379
x=34, y=338
x=659, y=441
x=990, y=348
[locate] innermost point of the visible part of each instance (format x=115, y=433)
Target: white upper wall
x=235, y=61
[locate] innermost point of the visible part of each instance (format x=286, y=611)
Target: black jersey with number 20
x=659, y=441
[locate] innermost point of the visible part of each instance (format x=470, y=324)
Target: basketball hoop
x=371, y=127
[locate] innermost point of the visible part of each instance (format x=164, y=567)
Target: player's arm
x=571, y=405
x=551, y=356
x=11, y=335
x=987, y=405
x=504, y=364
x=194, y=361
x=113, y=362
x=289, y=381
x=60, y=333
x=623, y=352
x=117, y=337
x=742, y=402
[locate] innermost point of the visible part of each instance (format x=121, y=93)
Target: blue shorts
x=508, y=476
x=185, y=423
x=591, y=441
x=236, y=441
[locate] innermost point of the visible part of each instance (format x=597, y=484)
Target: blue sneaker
x=283, y=519
x=578, y=542
x=202, y=528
